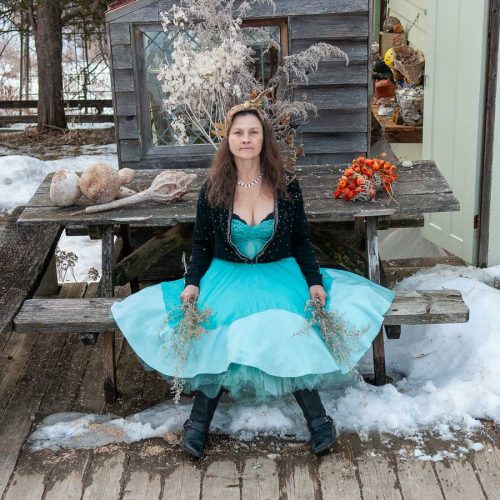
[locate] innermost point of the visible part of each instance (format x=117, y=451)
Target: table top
x=421, y=188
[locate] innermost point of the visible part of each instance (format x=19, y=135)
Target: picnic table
x=421, y=188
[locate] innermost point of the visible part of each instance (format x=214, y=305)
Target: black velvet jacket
x=290, y=238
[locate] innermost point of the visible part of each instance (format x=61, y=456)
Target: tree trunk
x=48, y=41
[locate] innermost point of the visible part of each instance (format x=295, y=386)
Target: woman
x=253, y=267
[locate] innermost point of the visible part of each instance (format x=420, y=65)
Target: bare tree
x=47, y=18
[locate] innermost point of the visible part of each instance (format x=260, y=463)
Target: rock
x=65, y=188
x=100, y=183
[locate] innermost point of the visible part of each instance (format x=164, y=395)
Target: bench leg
x=127, y=250
x=109, y=363
x=109, y=359
x=372, y=255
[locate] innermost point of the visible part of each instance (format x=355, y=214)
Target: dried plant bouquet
x=339, y=335
x=189, y=321
x=210, y=71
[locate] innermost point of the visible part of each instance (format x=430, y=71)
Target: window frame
x=149, y=150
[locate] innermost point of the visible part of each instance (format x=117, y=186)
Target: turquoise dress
x=256, y=342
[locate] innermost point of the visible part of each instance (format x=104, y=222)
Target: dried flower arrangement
x=364, y=178
x=339, y=336
x=205, y=79
x=188, y=320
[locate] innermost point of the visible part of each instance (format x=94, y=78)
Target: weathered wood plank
x=183, y=483
x=373, y=261
x=260, y=479
x=417, y=480
x=334, y=143
x=123, y=80
x=114, y=15
x=300, y=483
x=324, y=159
x=125, y=104
x=421, y=178
x=128, y=127
x=105, y=475
x=130, y=380
x=221, y=482
x=130, y=149
x=172, y=160
x=337, y=121
x=93, y=315
x=13, y=362
x=356, y=50
x=487, y=464
x=66, y=478
x=421, y=197
x=329, y=26
x=25, y=254
x=377, y=475
x=294, y=8
x=63, y=386
x=145, y=14
x=151, y=253
x=346, y=98
x=121, y=57
x=142, y=485
x=106, y=290
x=324, y=208
x=26, y=486
x=281, y=8
x=119, y=33
x=457, y=480
x=337, y=73
x=16, y=421
x=90, y=397
x=338, y=478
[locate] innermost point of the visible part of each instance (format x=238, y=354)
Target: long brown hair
x=222, y=175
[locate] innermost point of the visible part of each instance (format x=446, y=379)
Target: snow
x=445, y=380
x=445, y=376
x=21, y=175
x=71, y=125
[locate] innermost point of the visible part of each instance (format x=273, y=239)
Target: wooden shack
x=138, y=45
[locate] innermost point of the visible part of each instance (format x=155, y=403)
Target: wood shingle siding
x=338, y=132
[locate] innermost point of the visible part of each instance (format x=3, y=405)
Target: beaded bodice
x=249, y=240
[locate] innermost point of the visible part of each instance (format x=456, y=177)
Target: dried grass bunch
x=188, y=320
x=210, y=72
x=340, y=337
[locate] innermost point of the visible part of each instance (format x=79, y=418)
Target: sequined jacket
x=290, y=238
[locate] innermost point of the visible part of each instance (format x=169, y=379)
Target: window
x=156, y=45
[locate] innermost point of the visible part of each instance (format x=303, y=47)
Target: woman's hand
x=191, y=292
x=318, y=292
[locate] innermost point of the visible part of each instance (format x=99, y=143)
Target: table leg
x=127, y=250
x=107, y=290
x=373, y=259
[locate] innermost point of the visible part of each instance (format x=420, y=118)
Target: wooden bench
x=27, y=265
x=93, y=315
x=420, y=189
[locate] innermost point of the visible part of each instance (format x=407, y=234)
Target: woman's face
x=246, y=136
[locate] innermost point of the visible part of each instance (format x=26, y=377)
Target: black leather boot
x=195, y=433
x=320, y=425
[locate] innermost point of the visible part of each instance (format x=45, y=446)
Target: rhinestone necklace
x=247, y=185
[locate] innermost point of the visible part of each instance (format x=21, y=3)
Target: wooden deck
x=44, y=374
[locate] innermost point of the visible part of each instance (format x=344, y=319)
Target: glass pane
x=266, y=62
x=158, y=46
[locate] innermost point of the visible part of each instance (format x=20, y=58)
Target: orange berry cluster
x=364, y=178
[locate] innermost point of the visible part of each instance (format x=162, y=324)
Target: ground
x=54, y=145
x=41, y=375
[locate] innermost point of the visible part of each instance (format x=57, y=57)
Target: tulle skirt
x=257, y=341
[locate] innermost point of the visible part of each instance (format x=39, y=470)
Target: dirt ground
x=53, y=145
